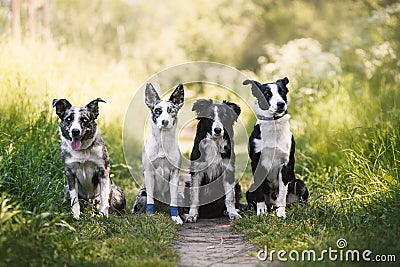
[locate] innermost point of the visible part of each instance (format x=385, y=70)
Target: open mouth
x=76, y=144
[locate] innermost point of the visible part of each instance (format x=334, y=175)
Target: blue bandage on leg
x=150, y=208
x=173, y=211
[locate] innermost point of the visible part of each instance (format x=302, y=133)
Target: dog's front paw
x=281, y=213
x=234, y=216
x=104, y=212
x=192, y=219
x=177, y=219
x=76, y=210
x=261, y=208
x=193, y=215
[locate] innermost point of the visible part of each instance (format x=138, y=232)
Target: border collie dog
x=212, y=185
x=271, y=150
x=161, y=156
x=86, y=160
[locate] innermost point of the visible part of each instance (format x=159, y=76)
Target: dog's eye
x=158, y=111
x=69, y=119
x=170, y=110
x=282, y=92
x=85, y=120
x=268, y=94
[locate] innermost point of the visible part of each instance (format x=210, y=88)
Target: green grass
x=352, y=171
x=36, y=227
x=348, y=152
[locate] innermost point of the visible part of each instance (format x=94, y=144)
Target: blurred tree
x=15, y=21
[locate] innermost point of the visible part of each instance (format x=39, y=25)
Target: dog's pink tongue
x=76, y=144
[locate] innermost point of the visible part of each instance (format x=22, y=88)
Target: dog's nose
x=75, y=132
x=281, y=105
x=164, y=123
x=217, y=130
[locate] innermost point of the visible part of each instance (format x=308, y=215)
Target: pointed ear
x=201, y=105
x=93, y=107
x=257, y=93
x=61, y=105
x=177, y=97
x=234, y=107
x=151, y=96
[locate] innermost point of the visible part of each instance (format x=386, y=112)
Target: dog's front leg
x=229, y=188
x=73, y=193
x=149, y=184
x=105, y=191
x=194, y=198
x=283, y=189
x=173, y=189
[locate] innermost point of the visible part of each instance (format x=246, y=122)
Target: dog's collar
x=272, y=118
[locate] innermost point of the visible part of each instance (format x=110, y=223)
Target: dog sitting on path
x=271, y=150
x=86, y=160
x=161, y=156
x=213, y=186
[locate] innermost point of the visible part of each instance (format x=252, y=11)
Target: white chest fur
x=213, y=164
x=162, y=145
x=85, y=164
x=275, y=143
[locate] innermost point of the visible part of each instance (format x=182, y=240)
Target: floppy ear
x=234, y=107
x=283, y=82
x=93, y=107
x=255, y=88
x=177, y=97
x=257, y=93
x=151, y=96
x=201, y=105
x=61, y=105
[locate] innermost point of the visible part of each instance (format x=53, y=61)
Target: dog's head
x=164, y=113
x=219, y=117
x=271, y=97
x=78, y=124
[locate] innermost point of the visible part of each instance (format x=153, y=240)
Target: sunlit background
x=341, y=57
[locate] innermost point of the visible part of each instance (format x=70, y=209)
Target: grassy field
x=36, y=228
x=348, y=152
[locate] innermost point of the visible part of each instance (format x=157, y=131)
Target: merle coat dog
x=271, y=150
x=86, y=160
x=212, y=185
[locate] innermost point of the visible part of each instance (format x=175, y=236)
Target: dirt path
x=211, y=243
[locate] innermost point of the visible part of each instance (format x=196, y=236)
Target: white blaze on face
x=275, y=99
x=217, y=127
x=164, y=120
x=76, y=124
x=76, y=127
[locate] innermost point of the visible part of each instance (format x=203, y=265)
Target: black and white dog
x=161, y=156
x=271, y=150
x=213, y=161
x=86, y=160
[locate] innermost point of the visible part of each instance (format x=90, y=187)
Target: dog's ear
x=257, y=93
x=61, y=105
x=177, y=97
x=234, y=107
x=201, y=105
x=93, y=107
x=151, y=96
x=282, y=83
